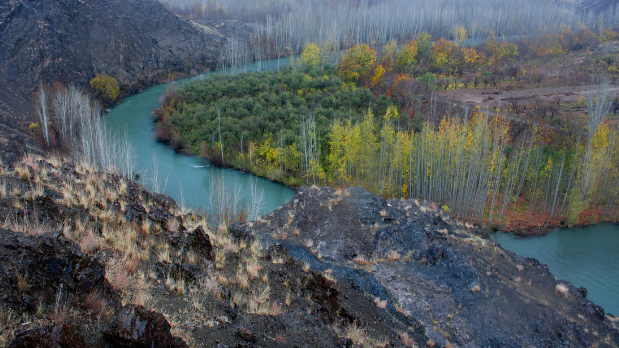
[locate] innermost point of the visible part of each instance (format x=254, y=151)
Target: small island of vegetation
x=383, y=119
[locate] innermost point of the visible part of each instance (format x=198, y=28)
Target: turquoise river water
x=586, y=257
x=187, y=179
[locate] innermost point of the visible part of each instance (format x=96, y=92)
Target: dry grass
x=176, y=284
x=211, y=286
x=220, y=258
x=407, y=340
x=393, y=255
x=90, y=243
x=288, y=298
x=60, y=309
x=35, y=192
x=3, y=189
x=93, y=303
x=380, y=303
x=164, y=253
x=562, y=289
x=328, y=274
x=253, y=268
x=146, y=227
x=23, y=172
x=361, y=261
x=258, y=303
x=121, y=189
x=15, y=192
x=22, y=281
x=242, y=279
x=118, y=276
x=29, y=224
x=360, y=337
x=256, y=248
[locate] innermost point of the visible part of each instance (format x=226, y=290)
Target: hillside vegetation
x=374, y=120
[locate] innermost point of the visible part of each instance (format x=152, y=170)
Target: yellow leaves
x=357, y=62
x=379, y=76
x=501, y=53
x=268, y=153
x=105, y=87
x=408, y=55
x=311, y=55
x=473, y=59
x=459, y=34
x=442, y=52
x=600, y=138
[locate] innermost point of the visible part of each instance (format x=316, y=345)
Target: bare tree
x=599, y=102
x=42, y=112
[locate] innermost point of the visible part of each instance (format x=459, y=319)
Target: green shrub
x=105, y=88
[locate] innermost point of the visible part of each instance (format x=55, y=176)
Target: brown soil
x=493, y=97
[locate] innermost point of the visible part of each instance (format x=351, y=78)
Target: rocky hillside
x=89, y=259
x=138, y=42
x=70, y=41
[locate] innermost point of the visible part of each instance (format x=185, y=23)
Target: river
x=586, y=257
x=187, y=179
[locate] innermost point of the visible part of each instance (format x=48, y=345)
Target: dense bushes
x=105, y=88
x=244, y=110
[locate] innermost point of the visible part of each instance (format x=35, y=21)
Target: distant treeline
x=285, y=26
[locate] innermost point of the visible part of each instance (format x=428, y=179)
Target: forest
x=284, y=27
x=377, y=119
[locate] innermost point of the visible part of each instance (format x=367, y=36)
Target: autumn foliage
x=357, y=62
x=105, y=87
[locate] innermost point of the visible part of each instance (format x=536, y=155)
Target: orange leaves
x=443, y=53
x=473, y=59
x=357, y=62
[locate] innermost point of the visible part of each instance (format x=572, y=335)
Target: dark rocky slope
x=138, y=42
x=459, y=289
x=91, y=259
x=70, y=41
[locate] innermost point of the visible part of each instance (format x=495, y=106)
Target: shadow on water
x=586, y=257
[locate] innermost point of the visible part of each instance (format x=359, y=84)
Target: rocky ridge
x=92, y=259
x=138, y=42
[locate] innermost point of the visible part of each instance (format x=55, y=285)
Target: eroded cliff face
x=70, y=41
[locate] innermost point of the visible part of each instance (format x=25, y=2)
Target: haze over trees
x=284, y=27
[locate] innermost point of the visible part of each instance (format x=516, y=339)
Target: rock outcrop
x=462, y=290
x=91, y=259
